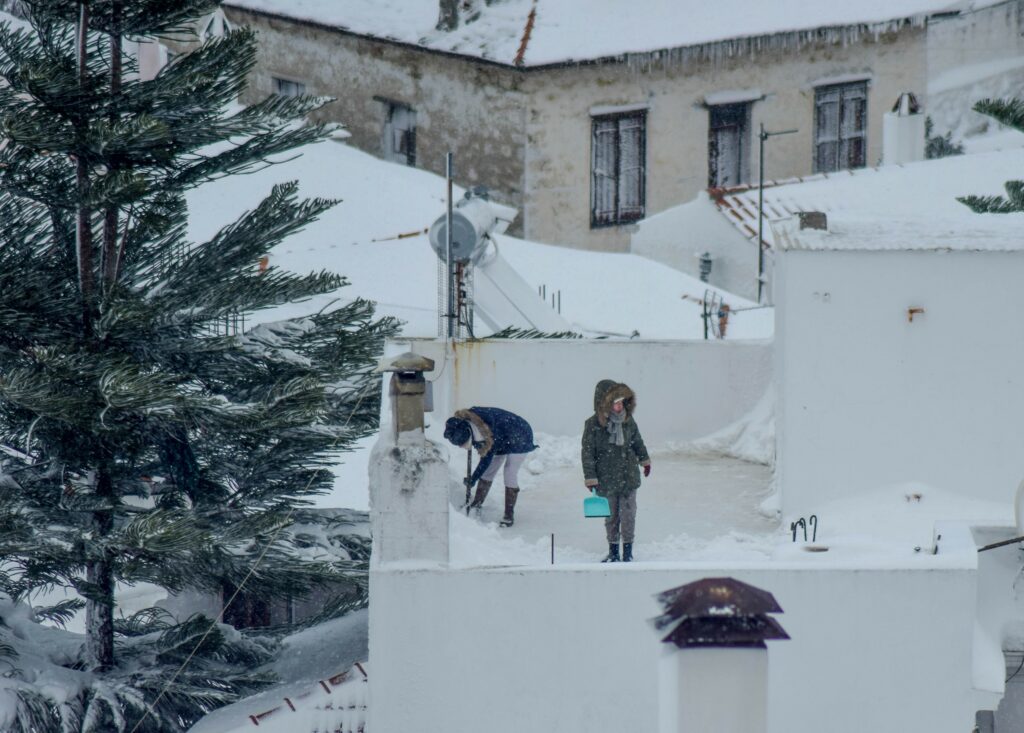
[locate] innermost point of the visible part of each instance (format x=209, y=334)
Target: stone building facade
x=585, y=149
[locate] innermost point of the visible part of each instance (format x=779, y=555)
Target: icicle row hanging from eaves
x=785, y=42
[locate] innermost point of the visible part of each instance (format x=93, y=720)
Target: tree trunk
x=111, y=247
x=99, y=616
x=99, y=611
x=83, y=228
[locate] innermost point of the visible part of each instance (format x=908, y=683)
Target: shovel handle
x=469, y=472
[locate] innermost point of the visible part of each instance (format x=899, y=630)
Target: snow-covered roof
x=916, y=201
x=855, y=231
x=312, y=694
x=541, y=32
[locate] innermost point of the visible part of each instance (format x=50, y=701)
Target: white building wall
x=685, y=389
x=678, y=236
x=508, y=650
x=868, y=398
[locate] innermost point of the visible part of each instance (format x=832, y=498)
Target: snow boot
x=613, y=553
x=510, y=506
x=482, y=488
x=627, y=552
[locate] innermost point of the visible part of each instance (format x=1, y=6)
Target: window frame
x=278, y=82
x=618, y=217
x=845, y=93
x=744, y=110
x=389, y=152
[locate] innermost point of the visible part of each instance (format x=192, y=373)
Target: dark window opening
x=288, y=88
x=618, y=168
x=728, y=144
x=840, y=127
x=400, y=134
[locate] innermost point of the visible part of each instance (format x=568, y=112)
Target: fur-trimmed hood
x=605, y=393
x=486, y=442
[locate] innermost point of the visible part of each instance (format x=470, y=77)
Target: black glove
x=468, y=482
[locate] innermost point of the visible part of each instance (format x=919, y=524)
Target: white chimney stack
x=717, y=677
x=409, y=478
x=903, y=137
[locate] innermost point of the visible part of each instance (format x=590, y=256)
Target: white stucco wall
x=685, y=389
x=868, y=398
x=678, y=236
x=570, y=650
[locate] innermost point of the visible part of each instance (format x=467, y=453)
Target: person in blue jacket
x=499, y=436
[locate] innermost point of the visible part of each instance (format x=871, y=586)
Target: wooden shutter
x=604, y=167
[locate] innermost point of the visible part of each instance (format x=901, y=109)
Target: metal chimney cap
x=718, y=612
x=716, y=597
x=747, y=631
x=407, y=362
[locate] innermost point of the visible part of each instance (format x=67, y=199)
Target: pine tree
x=1009, y=112
x=145, y=443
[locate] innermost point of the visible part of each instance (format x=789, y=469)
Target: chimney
x=812, y=220
x=409, y=478
x=410, y=394
x=903, y=137
x=719, y=675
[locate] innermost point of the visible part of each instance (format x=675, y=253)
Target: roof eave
x=705, y=50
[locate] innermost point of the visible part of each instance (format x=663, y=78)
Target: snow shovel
x=596, y=506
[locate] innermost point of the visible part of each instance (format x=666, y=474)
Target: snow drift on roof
x=922, y=194
x=568, y=30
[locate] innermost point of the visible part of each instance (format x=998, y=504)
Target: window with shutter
x=618, y=168
x=840, y=127
x=288, y=87
x=728, y=155
x=400, y=133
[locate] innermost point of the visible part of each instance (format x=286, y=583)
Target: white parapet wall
x=569, y=649
x=685, y=389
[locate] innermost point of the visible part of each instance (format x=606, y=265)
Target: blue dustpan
x=596, y=506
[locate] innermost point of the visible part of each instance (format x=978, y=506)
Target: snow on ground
x=587, y=29
x=698, y=503
x=697, y=508
x=702, y=502
x=691, y=507
x=895, y=522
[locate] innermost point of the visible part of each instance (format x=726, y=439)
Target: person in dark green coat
x=613, y=454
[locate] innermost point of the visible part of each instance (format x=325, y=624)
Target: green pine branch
x=1009, y=112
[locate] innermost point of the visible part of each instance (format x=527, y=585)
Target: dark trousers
x=623, y=517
